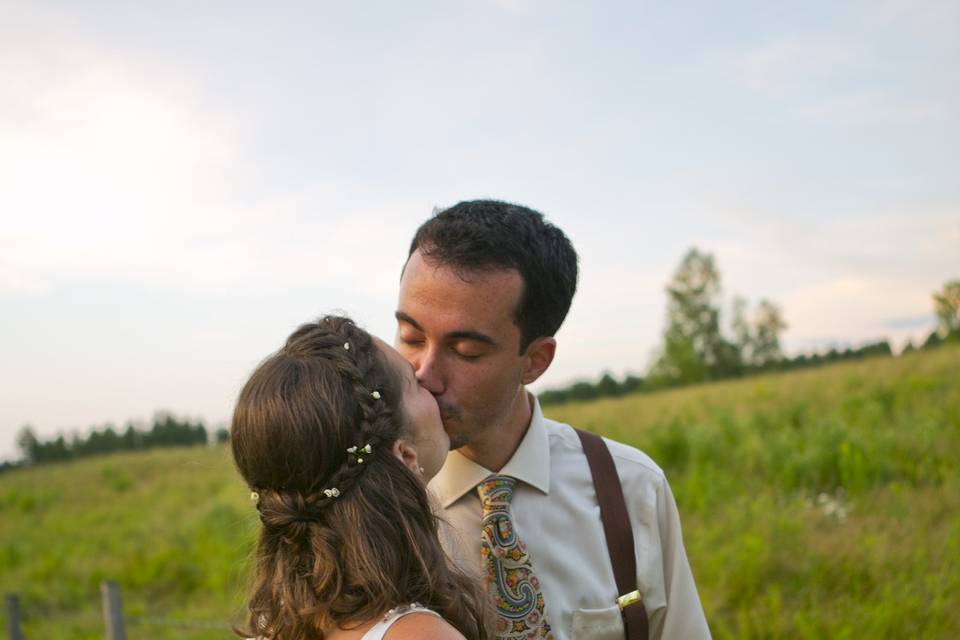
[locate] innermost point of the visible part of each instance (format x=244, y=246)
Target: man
x=485, y=288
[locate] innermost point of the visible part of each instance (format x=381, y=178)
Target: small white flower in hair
x=254, y=496
x=351, y=449
x=332, y=493
x=346, y=345
x=376, y=395
x=367, y=449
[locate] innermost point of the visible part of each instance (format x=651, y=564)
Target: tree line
x=166, y=431
x=698, y=346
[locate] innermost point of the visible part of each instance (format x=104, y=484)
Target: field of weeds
x=822, y=503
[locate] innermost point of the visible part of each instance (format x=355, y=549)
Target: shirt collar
x=530, y=463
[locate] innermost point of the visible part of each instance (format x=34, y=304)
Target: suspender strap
x=618, y=532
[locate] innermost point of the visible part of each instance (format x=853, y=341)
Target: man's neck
x=498, y=446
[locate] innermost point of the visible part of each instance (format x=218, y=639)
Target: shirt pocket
x=598, y=624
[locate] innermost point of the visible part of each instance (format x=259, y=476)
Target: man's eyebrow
x=464, y=334
x=402, y=317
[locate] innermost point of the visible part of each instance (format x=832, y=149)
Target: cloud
x=872, y=106
x=783, y=67
x=852, y=308
x=519, y=7
x=921, y=322
x=101, y=167
x=931, y=18
x=107, y=173
x=858, y=69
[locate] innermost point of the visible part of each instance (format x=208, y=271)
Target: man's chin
x=457, y=437
x=457, y=441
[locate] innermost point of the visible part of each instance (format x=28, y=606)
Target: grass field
x=816, y=504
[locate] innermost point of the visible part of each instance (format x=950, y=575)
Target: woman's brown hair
x=346, y=535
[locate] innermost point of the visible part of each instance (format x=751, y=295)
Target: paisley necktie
x=510, y=574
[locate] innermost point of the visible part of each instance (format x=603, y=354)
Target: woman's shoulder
x=422, y=623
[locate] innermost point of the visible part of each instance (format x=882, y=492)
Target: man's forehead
x=424, y=277
x=482, y=301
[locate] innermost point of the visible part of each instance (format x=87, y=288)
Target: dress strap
x=377, y=631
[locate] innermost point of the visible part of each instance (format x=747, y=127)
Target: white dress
x=377, y=631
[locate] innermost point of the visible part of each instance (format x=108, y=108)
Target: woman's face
x=422, y=414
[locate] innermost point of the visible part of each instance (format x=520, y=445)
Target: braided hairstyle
x=348, y=532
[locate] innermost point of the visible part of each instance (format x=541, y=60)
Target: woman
x=337, y=440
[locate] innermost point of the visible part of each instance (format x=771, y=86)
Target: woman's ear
x=406, y=454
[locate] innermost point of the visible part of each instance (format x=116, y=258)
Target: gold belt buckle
x=628, y=599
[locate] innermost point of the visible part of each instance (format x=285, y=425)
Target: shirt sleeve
x=683, y=617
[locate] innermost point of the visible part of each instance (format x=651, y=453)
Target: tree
x=608, y=387
x=632, y=383
x=933, y=340
x=742, y=332
x=679, y=361
x=694, y=348
x=54, y=450
x=947, y=306
x=28, y=443
x=132, y=438
x=769, y=325
x=757, y=344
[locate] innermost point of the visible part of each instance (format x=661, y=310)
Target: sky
x=181, y=185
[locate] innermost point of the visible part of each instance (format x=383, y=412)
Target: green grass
x=816, y=504
x=174, y=527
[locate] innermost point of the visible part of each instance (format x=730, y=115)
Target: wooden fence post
x=13, y=617
x=112, y=610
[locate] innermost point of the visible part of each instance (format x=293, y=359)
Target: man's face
x=460, y=336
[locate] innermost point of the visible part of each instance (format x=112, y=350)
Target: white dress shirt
x=556, y=514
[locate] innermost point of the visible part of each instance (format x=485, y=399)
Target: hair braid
x=354, y=355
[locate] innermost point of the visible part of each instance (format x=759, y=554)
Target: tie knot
x=496, y=492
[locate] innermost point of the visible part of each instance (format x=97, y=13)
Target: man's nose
x=429, y=371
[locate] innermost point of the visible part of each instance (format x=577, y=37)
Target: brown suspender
x=618, y=532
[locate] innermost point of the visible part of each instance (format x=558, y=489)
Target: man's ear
x=405, y=453
x=539, y=356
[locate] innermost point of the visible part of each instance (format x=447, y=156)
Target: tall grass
x=174, y=527
x=816, y=504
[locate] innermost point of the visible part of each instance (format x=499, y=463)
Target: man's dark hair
x=489, y=234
